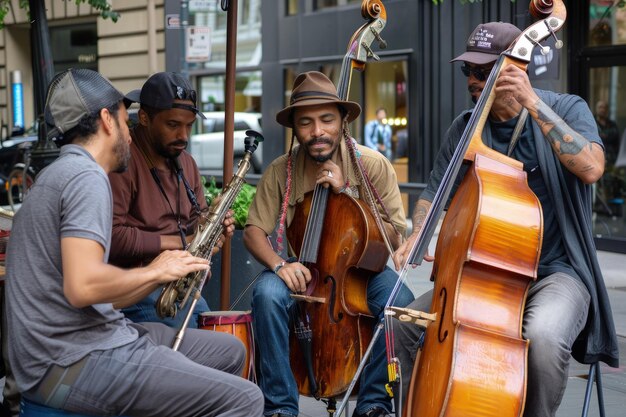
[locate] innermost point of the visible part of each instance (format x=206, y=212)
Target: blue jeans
x=271, y=305
x=144, y=311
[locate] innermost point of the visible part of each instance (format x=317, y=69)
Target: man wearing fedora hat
x=326, y=155
x=567, y=311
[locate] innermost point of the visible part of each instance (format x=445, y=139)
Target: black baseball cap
x=487, y=42
x=74, y=94
x=162, y=88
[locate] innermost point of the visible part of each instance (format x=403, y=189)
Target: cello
x=342, y=242
x=473, y=361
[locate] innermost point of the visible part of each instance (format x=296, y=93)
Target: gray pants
x=148, y=378
x=556, y=312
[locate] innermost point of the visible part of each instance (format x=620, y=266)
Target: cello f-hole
x=443, y=298
x=331, y=304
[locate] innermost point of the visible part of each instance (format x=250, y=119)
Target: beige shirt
x=264, y=211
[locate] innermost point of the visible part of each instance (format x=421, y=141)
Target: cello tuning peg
x=382, y=44
x=370, y=53
x=558, y=44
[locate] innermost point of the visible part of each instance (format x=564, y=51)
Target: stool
x=31, y=409
x=594, y=373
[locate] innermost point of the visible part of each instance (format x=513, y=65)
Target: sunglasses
x=480, y=74
x=185, y=94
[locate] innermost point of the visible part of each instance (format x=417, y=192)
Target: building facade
x=413, y=79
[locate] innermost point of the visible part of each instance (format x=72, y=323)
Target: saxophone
x=175, y=294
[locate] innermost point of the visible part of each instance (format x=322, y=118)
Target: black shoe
x=374, y=412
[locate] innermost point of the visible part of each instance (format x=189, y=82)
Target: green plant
x=240, y=205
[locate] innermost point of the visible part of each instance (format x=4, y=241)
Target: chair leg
x=594, y=374
x=599, y=389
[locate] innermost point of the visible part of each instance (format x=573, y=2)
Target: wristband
x=278, y=266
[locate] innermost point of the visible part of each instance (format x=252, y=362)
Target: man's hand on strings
x=401, y=256
x=295, y=275
x=329, y=175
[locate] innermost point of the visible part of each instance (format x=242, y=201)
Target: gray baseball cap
x=487, y=42
x=74, y=94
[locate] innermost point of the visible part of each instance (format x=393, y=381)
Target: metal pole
x=229, y=124
x=44, y=151
x=184, y=22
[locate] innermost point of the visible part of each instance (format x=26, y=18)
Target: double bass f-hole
x=443, y=298
x=333, y=296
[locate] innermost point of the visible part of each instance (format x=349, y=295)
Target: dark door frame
x=582, y=59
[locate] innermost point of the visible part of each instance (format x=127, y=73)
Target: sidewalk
x=613, y=380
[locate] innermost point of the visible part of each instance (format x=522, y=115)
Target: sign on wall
x=198, y=43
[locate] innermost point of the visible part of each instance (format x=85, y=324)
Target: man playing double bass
x=326, y=155
x=567, y=309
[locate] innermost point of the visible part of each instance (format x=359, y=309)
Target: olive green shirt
x=265, y=209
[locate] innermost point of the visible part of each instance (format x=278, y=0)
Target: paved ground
x=613, y=380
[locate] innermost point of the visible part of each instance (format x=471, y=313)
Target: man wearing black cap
x=159, y=199
x=71, y=348
x=567, y=310
x=326, y=155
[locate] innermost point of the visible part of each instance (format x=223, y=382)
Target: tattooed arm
x=419, y=215
x=580, y=156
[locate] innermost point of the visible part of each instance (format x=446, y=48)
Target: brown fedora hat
x=312, y=89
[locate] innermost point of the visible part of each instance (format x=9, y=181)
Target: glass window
x=607, y=22
x=248, y=89
x=74, y=46
x=608, y=104
x=292, y=7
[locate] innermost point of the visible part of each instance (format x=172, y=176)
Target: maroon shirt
x=141, y=213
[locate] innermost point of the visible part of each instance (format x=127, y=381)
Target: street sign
x=172, y=21
x=198, y=44
x=196, y=6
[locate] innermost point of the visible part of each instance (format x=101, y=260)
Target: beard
x=121, y=149
x=472, y=90
x=168, y=151
x=319, y=157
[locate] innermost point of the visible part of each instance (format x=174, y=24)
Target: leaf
x=240, y=205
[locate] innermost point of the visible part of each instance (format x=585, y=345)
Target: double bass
x=473, y=360
x=340, y=240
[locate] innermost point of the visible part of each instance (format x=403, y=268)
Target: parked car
x=207, y=147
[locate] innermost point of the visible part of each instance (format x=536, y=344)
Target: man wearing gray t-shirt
x=70, y=346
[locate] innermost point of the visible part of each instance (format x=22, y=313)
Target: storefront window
x=292, y=7
x=607, y=22
x=74, y=46
x=608, y=104
x=248, y=89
